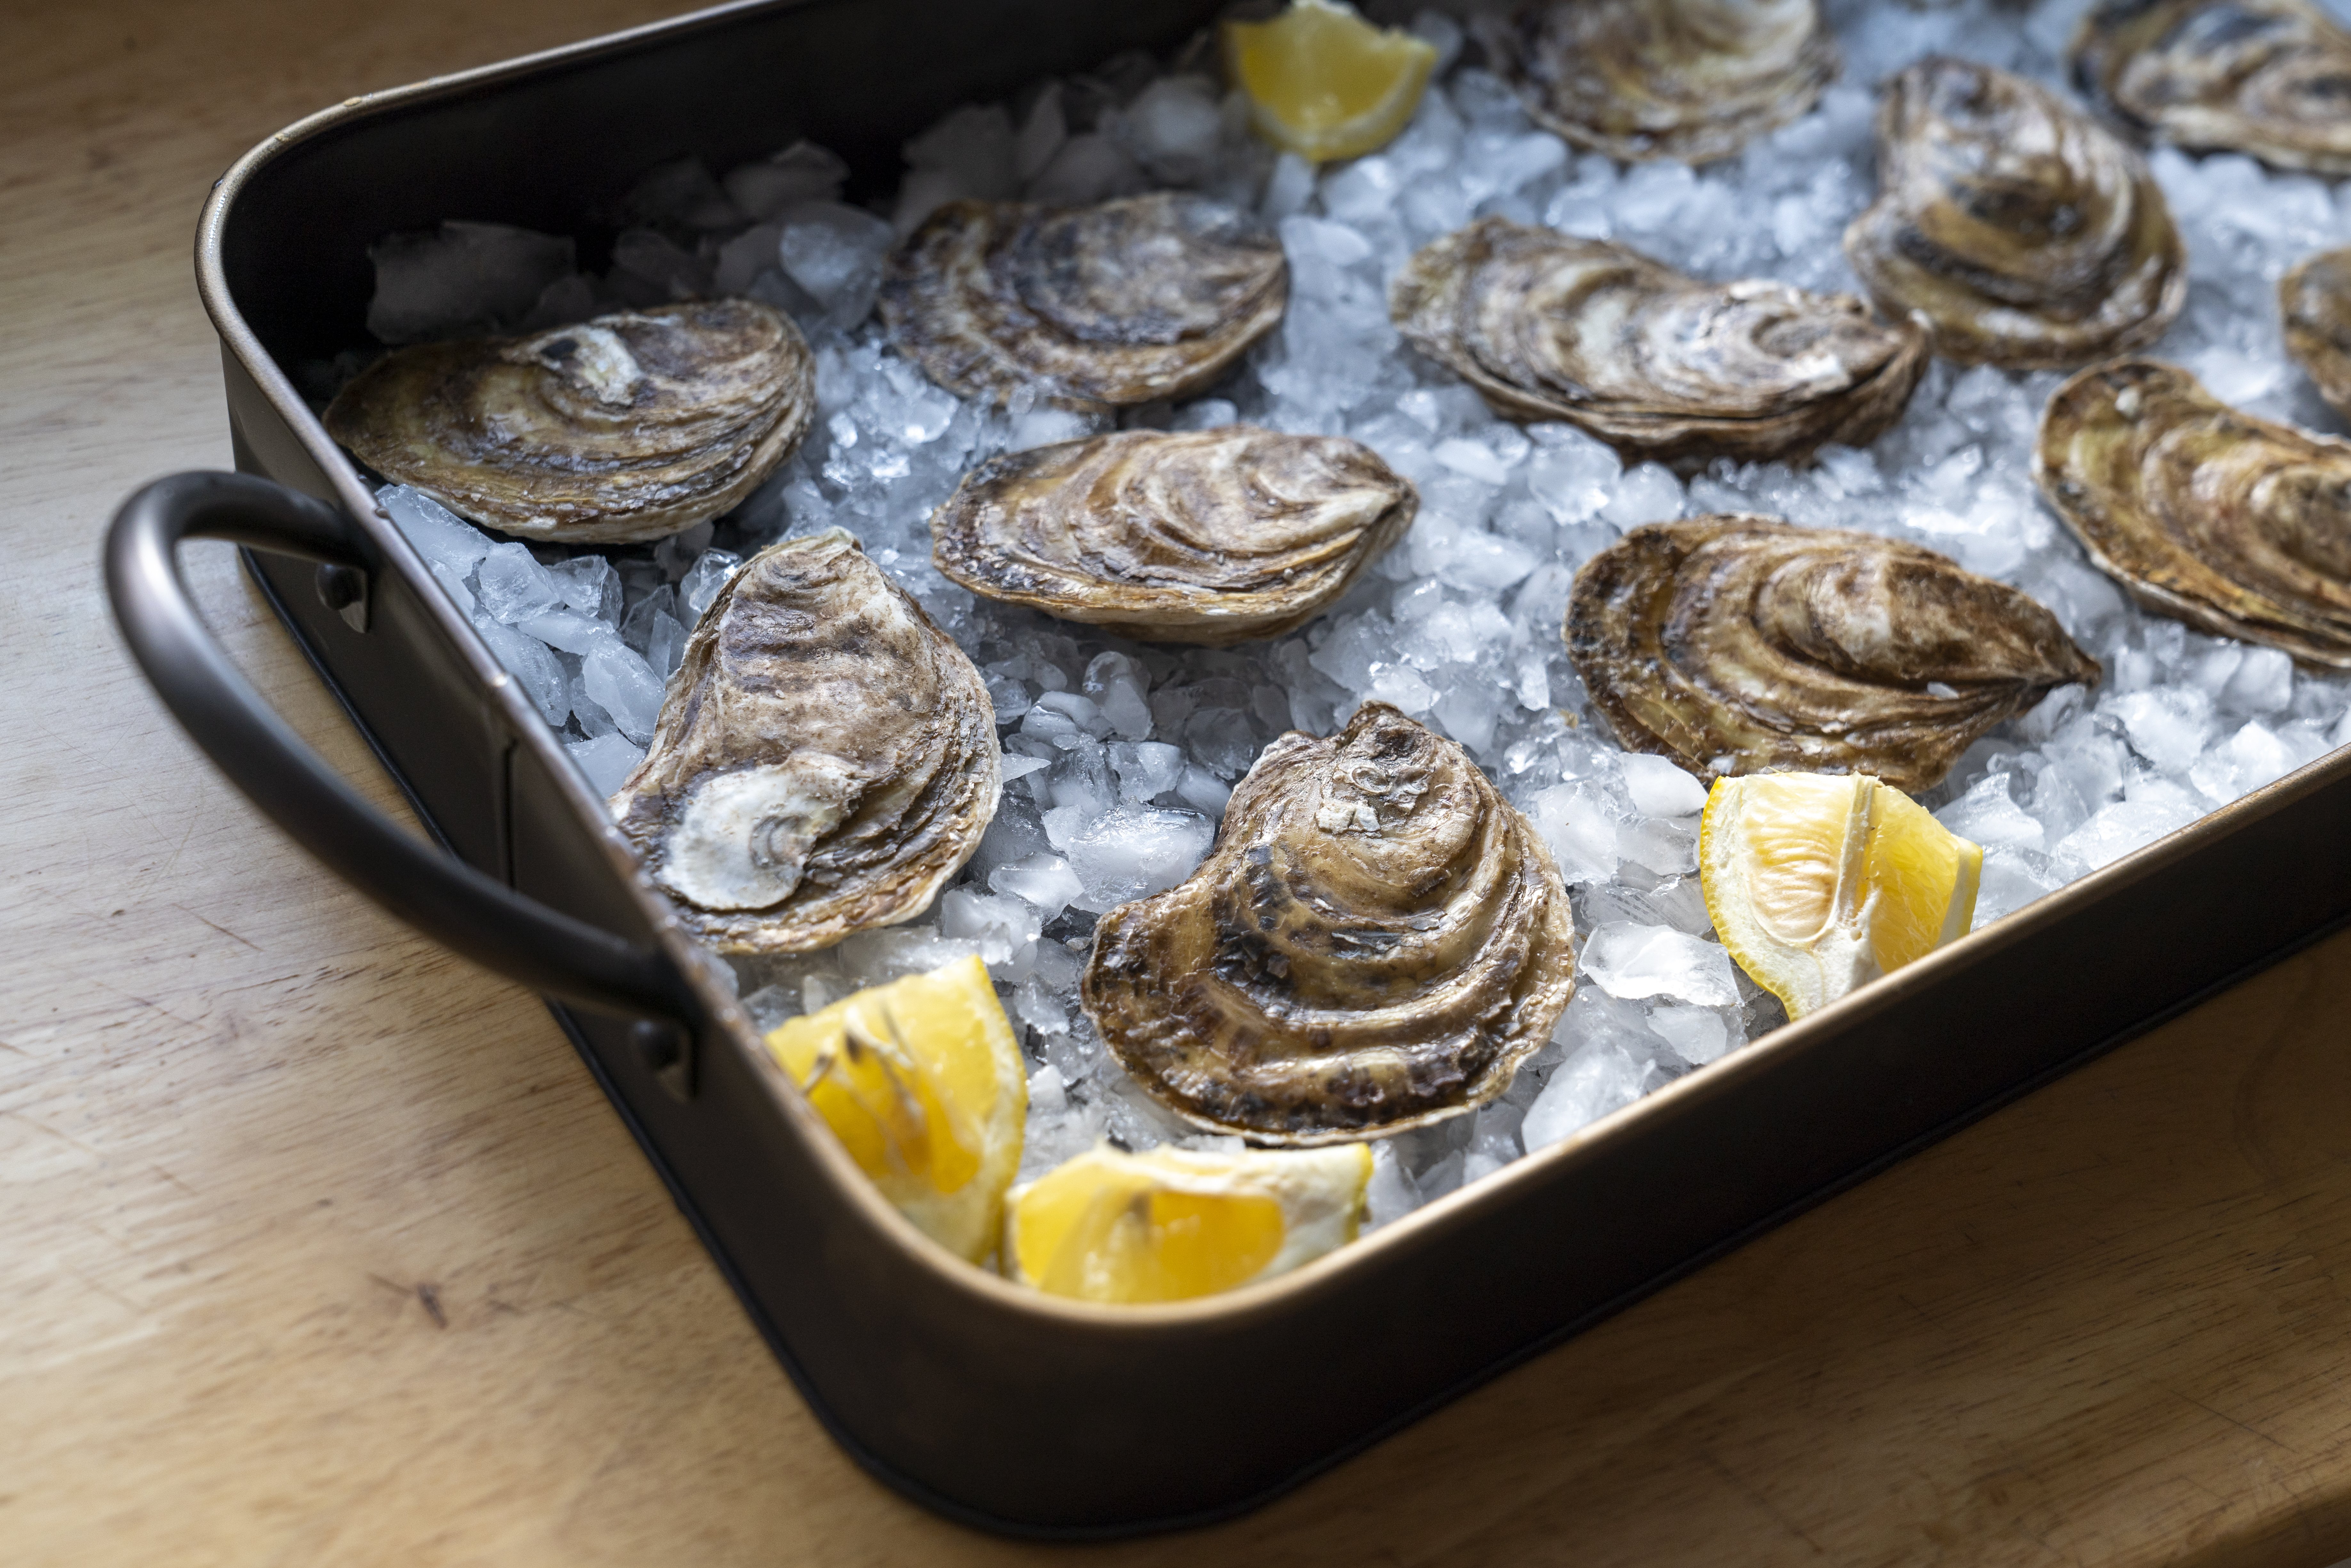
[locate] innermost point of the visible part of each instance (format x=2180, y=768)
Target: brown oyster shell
x=1376, y=942
x=2230, y=523
x=2315, y=303
x=630, y=426
x=1210, y=537
x=1093, y=308
x=2020, y=231
x=1737, y=645
x=1693, y=79
x=825, y=761
x=1658, y=364
x=2270, y=77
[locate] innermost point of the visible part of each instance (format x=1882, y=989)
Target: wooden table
x=318, y=1244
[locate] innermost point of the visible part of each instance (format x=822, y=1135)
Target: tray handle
x=440, y=895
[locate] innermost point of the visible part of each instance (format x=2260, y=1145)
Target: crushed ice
x=1119, y=756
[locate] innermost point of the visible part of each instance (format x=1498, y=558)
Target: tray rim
x=1556, y=1161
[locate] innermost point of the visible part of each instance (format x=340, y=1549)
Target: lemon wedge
x=923, y=1082
x=1323, y=83
x=1819, y=884
x=1173, y=1224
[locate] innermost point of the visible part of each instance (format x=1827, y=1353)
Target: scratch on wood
x=2224, y=1416
x=432, y=1300
x=215, y=924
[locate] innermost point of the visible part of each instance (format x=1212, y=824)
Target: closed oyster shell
x=630, y=426
x=2023, y=232
x=1693, y=79
x=1735, y=645
x=1093, y=308
x=1658, y=364
x=1210, y=537
x=2271, y=77
x=2228, y=522
x=2314, y=302
x=824, y=760
x=1376, y=942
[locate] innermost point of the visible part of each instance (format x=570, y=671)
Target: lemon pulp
x=1322, y=82
x=921, y=1082
x=1818, y=884
x=1173, y=1224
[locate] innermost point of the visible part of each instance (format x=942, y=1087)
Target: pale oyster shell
x=1210, y=537
x=630, y=426
x=2315, y=303
x=1735, y=645
x=2270, y=77
x=1091, y=308
x=1376, y=942
x=825, y=761
x=1658, y=364
x=2020, y=231
x=1692, y=79
x=2230, y=523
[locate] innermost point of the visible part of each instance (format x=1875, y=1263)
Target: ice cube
x=800, y=173
x=1637, y=962
x=459, y=278
x=1698, y=1035
x=624, y=686
x=1661, y=789
x=834, y=252
x=2167, y=726
x=999, y=927
x=1172, y=129
x=1988, y=814
x=535, y=669
x=435, y=532
x=1582, y=837
x=606, y=760
x=1597, y=1079
x=589, y=585
x=1648, y=494
x=1134, y=850
x=1120, y=684
x=703, y=580
x=1043, y=879
x=1087, y=168
x=512, y=586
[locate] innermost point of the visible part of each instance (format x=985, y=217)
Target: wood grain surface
x=318, y=1244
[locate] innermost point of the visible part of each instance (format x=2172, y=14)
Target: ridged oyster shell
x=1659, y=364
x=2230, y=523
x=630, y=426
x=2023, y=232
x=1734, y=644
x=825, y=761
x=1692, y=79
x=2271, y=77
x=1093, y=308
x=1208, y=537
x=2315, y=303
x=1376, y=942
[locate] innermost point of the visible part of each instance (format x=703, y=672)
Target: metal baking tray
x=993, y=1404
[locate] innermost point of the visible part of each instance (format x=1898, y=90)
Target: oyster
x=2266, y=77
x=1376, y=941
x=1734, y=644
x=2023, y=232
x=2230, y=523
x=2315, y=300
x=1547, y=326
x=1093, y=308
x=630, y=426
x=1210, y=536
x=825, y=759
x=1692, y=79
